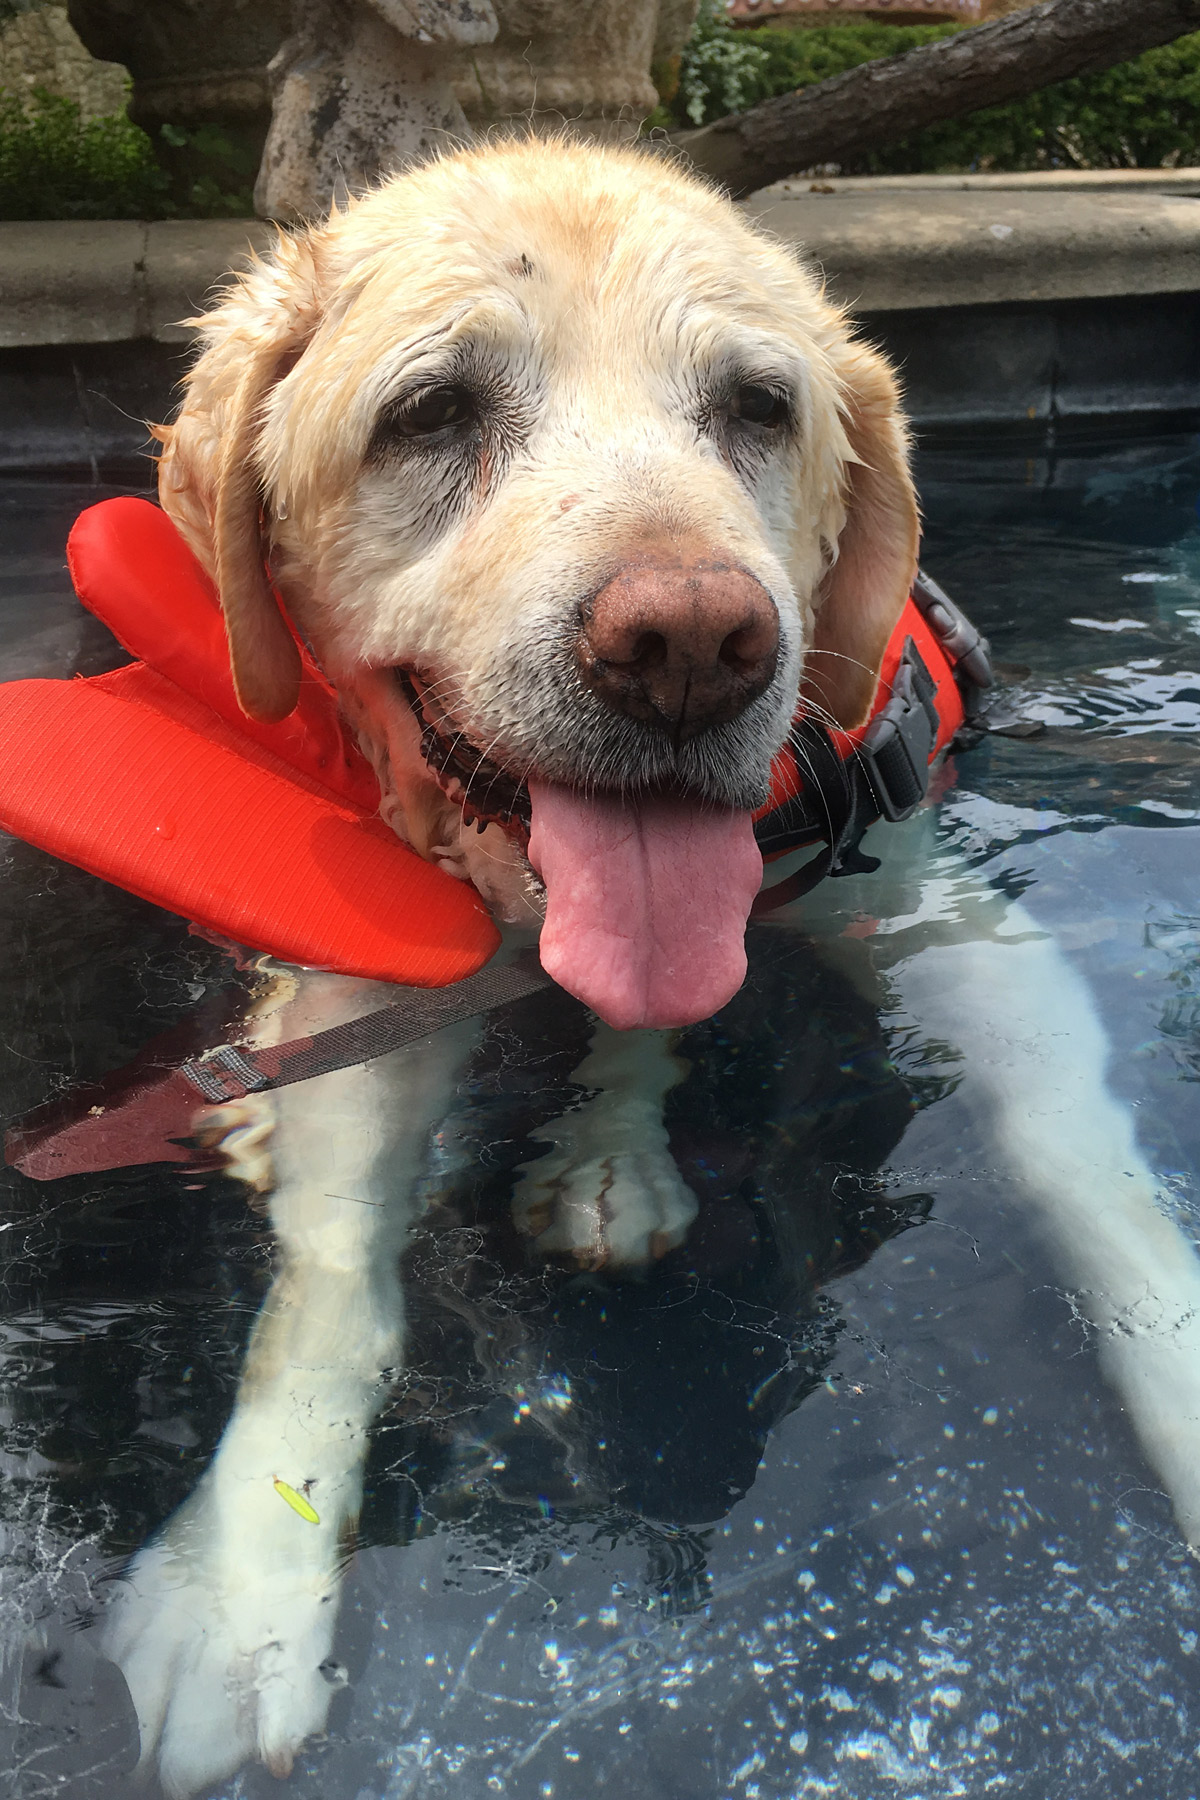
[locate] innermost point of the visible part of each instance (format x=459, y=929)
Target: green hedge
x=1138, y=115
x=55, y=164
x=1141, y=114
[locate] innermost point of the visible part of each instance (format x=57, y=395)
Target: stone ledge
x=891, y=244
x=899, y=250
x=110, y=281
x=1033, y=181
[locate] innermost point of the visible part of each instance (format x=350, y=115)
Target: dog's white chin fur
x=495, y=864
x=417, y=810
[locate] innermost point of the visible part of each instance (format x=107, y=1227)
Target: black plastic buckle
x=900, y=739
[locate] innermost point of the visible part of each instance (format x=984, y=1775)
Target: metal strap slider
x=224, y=1074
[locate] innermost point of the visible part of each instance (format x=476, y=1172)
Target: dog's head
x=574, y=483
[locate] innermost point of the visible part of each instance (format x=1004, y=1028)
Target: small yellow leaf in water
x=297, y=1502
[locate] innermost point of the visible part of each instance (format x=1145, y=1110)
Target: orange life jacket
x=153, y=778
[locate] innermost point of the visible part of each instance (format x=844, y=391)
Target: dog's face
x=571, y=480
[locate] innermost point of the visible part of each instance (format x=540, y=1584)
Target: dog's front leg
x=608, y=1194
x=224, y=1622
x=1036, y=1062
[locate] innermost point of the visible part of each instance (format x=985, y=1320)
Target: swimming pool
x=837, y=1498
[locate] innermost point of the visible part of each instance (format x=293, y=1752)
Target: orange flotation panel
x=153, y=778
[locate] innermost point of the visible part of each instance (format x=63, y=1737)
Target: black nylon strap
x=820, y=809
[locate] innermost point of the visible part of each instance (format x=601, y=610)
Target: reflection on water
x=840, y=1497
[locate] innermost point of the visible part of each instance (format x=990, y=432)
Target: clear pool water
x=836, y=1499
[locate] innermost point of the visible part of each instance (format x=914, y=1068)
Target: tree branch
x=882, y=101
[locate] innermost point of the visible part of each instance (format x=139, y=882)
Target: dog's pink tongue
x=646, y=903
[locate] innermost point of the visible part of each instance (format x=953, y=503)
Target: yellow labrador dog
x=576, y=485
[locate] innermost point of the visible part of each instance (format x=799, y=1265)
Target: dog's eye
x=754, y=404
x=437, y=409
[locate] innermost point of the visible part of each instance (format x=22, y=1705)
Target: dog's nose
x=685, y=645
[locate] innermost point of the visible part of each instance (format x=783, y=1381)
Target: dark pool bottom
x=832, y=1501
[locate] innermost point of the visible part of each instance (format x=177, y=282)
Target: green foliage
x=724, y=71
x=1141, y=114
x=211, y=171
x=721, y=70
x=797, y=58
x=55, y=164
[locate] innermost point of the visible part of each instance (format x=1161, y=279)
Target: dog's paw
x=240, y=1132
x=619, y=1211
x=227, y=1660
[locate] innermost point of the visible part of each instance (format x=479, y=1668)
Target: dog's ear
x=868, y=582
x=209, y=474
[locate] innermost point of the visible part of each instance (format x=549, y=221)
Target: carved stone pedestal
x=352, y=89
x=360, y=88
x=364, y=86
